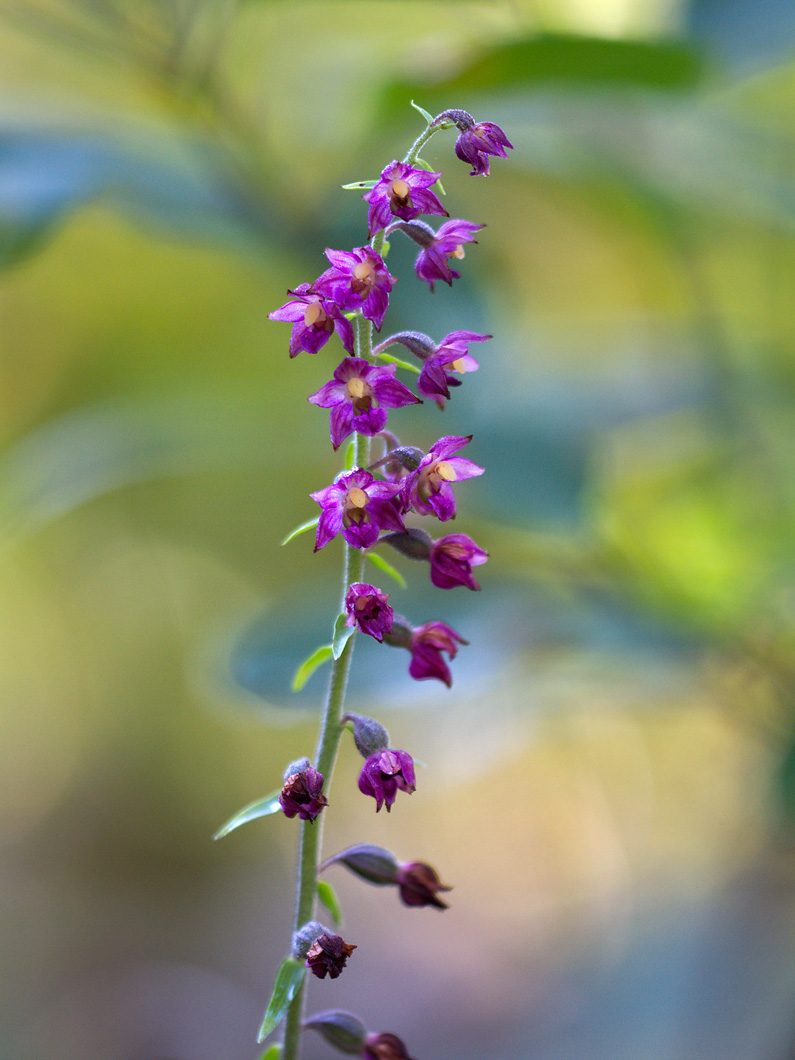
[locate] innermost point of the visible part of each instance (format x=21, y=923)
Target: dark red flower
x=384, y=1047
x=302, y=794
x=328, y=955
x=420, y=885
x=386, y=773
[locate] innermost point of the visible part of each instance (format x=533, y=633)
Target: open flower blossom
x=427, y=490
x=314, y=318
x=359, y=507
x=384, y=774
x=402, y=192
x=368, y=610
x=427, y=644
x=359, y=395
x=451, y=355
x=432, y=262
x=452, y=558
x=357, y=279
x=302, y=794
x=475, y=144
x=328, y=955
x=419, y=885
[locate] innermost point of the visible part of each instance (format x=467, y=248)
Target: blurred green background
x=610, y=785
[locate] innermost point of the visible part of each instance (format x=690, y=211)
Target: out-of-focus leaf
x=359, y=185
x=261, y=808
x=308, y=666
x=396, y=360
x=428, y=117
x=291, y=975
x=302, y=528
x=342, y=634
x=273, y=1052
x=330, y=901
x=178, y=186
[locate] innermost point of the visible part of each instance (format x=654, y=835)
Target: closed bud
x=341, y=1029
x=305, y=936
x=384, y=1047
x=371, y=863
x=414, y=544
x=369, y=735
x=298, y=766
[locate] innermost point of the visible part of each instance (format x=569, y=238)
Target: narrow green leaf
x=291, y=975
x=396, y=360
x=383, y=565
x=274, y=1052
x=308, y=667
x=329, y=900
x=359, y=185
x=429, y=168
x=302, y=529
x=260, y=808
x=428, y=117
x=342, y=634
x=350, y=453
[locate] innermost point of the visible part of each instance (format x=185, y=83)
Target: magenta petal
x=330, y=394
x=329, y=526
x=340, y=423
x=290, y=312
x=465, y=468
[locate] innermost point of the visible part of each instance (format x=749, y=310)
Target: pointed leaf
x=428, y=117
x=328, y=899
x=387, y=568
x=308, y=667
x=429, y=168
x=396, y=360
x=342, y=634
x=359, y=185
x=274, y=1052
x=350, y=455
x=302, y=529
x=260, y=808
x=291, y=975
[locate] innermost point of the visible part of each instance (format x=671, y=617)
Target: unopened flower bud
x=384, y=1047
x=305, y=936
x=341, y=1029
x=414, y=544
x=328, y=955
x=369, y=735
x=420, y=885
x=298, y=766
x=371, y=863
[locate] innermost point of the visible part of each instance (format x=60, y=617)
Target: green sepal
x=291, y=975
x=360, y=185
x=429, y=168
x=342, y=634
x=350, y=455
x=259, y=808
x=302, y=529
x=396, y=360
x=428, y=117
x=329, y=900
x=309, y=665
x=385, y=566
x=273, y=1052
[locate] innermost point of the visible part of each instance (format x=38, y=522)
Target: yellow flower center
x=457, y=365
x=314, y=314
x=357, y=498
x=363, y=271
x=357, y=387
x=445, y=471
x=399, y=189
x=459, y=252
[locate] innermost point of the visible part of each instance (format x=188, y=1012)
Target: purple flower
x=357, y=279
x=302, y=794
x=384, y=774
x=358, y=396
x=420, y=885
x=426, y=646
x=451, y=355
x=476, y=143
x=452, y=559
x=427, y=490
x=384, y=1046
x=368, y=609
x=359, y=507
x=328, y=954
x=432, y=261
x=401, y=192
x=314, y=318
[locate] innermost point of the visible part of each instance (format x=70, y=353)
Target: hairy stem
x=328, y=740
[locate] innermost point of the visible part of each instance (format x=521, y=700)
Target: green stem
x=419, y=143
x=328, y=741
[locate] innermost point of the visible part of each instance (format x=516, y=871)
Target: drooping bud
x=369, y=735
x=420, y=885
x=369, y=862
x=341, y=1029
x=416, y=342
x=328, y=955
x=414, y=544
x=384, y=1047
x=400, y=634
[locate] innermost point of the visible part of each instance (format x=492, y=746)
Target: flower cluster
x=379, y=501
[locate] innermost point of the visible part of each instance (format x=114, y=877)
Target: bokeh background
x=610, y=785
